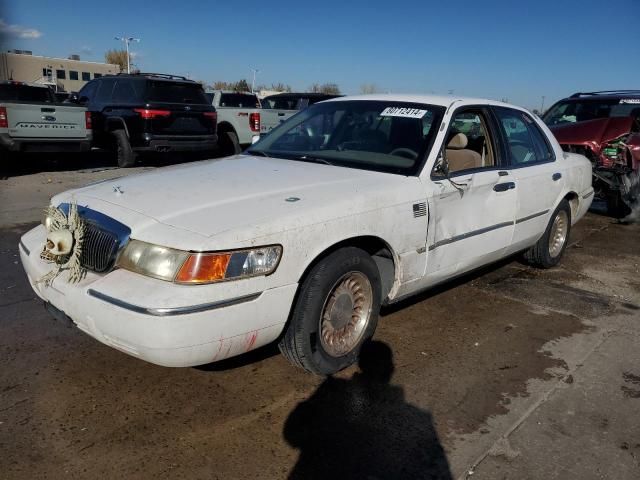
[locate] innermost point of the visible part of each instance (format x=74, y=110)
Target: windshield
x=372, y=135
x=583, y=110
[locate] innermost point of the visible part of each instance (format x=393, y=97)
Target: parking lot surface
x=511, y=372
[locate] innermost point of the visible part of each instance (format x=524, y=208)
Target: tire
x=228, y=144
x=616, y=207
x=546, y=253
x=335, y=286
x=126, y=156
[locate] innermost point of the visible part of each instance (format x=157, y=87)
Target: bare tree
x=329, y=88
x=117, y=57
x=367, y=88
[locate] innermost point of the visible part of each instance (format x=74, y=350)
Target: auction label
x=403, y=112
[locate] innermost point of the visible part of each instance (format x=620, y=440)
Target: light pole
x=542, y=106
x=126, y=41
x=253, y=82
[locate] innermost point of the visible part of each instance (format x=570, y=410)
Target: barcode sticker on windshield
x=403, y=112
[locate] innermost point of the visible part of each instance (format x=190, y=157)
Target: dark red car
x=605, y=127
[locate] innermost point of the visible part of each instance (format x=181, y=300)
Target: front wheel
x=335, y=313
x=546, y=253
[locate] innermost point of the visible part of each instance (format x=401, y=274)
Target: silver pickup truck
x=31, y=120
x=238, y=119
x=278, y=108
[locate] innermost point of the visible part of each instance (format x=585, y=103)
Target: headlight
x=46, y=220
x=198, y=268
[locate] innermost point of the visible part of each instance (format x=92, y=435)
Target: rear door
x=177, y=108
x=536, y=172
x=33, y=113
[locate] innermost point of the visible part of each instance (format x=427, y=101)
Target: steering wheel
x=404, y=152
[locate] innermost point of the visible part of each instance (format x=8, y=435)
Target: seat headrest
x=458, y=141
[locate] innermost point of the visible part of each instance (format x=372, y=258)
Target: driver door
x=473, y=209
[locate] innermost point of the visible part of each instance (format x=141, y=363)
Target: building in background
x=63, y=74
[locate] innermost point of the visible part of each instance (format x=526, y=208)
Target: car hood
x=257, y=193
x=593, y=132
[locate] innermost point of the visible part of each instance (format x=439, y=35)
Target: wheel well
x=572, y=198
x=226, y=127
x=374, y=246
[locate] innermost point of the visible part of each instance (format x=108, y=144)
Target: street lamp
x=253, y=82
x=127, y=41
x=542, y=105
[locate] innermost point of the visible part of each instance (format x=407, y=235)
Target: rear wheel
x=228, y=143
x=546, y=253
x=126, y=156
x=335, y=313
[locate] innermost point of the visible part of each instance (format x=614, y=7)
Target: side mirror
x=441, y=167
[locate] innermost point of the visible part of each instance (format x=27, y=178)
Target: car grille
x=99, y=248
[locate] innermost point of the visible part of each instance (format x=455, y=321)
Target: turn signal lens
x=214, y=267
x=4, y=120
x=203, y=268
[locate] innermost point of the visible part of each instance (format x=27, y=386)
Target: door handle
x=281, y=114
x=556, y=176
x=503, y=187
x=503, y=173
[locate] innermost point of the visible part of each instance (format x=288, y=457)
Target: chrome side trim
x=588, y=194
x=24, y=247
x=529, y=217
x=171, y=311
x=469, y=234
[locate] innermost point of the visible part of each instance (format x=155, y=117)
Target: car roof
x=440, y=100
x=605, y=95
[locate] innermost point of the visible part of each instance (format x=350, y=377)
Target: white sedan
x=352, y=203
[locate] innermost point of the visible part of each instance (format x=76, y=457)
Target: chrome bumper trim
x=170, y=311
x=587, y=195
x=24, y=247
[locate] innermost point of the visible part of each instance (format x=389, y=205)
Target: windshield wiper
x=258, y=153
x=308, y=158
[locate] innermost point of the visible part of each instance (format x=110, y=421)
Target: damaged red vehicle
x=605, y=127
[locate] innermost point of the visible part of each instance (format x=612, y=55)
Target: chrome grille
x=99, y=249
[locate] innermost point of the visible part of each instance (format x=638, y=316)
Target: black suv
x=148, y=112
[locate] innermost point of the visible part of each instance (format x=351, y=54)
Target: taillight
x=87, y=120
x=254, y=122
x=212, y=115
x=148, y=113
x=4, y=120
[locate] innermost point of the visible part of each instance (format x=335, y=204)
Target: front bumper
x=26, y=144
x=176, y=143
x=157, y=321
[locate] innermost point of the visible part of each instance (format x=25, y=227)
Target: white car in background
x=352, y=203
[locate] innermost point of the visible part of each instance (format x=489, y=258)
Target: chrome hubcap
x=346, y=314
x=558, y=234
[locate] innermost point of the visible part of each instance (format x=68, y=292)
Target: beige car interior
x=463, y=154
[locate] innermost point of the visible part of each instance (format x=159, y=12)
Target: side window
x=526, y=143
x=544, y=150
x=105, y=89
x=469, y=144
x=87, y=92
x=124, y=92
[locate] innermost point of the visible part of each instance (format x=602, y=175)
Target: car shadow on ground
x=363, y=427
